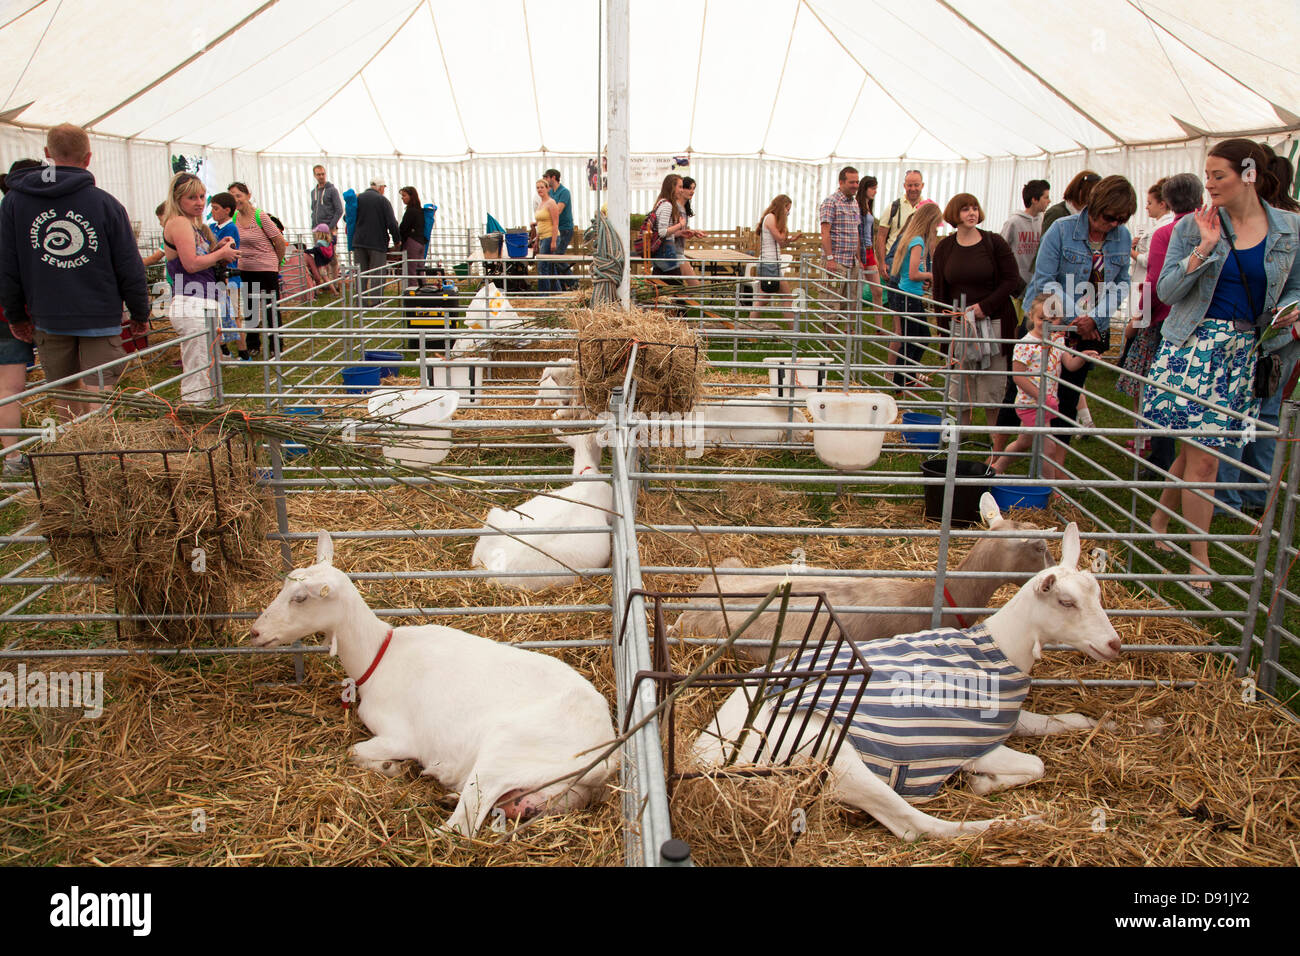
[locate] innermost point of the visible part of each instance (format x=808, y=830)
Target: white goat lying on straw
x=883, y=760
x=539, y=526
x=495, y=723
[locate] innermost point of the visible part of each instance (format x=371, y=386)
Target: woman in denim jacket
x=1085, y=260
x=1208, y=340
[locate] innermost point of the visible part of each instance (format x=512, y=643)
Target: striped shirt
x=256, y=254
x=935, y=701
x=842, y=213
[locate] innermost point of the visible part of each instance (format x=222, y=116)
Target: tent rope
x=607, y=263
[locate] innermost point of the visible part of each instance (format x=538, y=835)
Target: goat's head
x=1065, y=605
x=1012, y=555
x=309, y=601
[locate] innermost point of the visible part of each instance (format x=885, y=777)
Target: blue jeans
x=546, y=269
x=1258, y=454
x=559, y=246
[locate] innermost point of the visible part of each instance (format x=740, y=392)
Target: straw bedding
x=266, y=761
x=1216, y=787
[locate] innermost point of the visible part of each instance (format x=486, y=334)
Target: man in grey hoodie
x=326, y=203
x=1024, y=229
x=68, y=261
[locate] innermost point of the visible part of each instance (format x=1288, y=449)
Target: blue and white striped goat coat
x=935, y=701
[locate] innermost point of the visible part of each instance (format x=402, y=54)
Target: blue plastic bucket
x=306, y=411
x=360, y=379
x=516, y=244
x=1022, y=496
x=380, y=355
x=925, y=439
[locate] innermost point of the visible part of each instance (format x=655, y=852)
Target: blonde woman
x=546, y=216
x=191, y=253
x=772, y=235
x=911, y=270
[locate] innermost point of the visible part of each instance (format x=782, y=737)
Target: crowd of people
x=1195, y=290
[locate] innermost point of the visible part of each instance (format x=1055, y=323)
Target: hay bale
x=669, y=370
x=174, y=520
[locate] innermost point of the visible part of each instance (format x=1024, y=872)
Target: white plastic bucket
x=409, y=408
x=850, y=450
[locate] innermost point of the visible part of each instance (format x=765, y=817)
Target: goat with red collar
x=495, y=723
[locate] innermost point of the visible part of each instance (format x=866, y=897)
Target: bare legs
x=1194, y=465
x=762, y=300
x=13, y=379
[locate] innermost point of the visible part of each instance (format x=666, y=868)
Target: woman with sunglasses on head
x=1228, y=265
x=1085, y=259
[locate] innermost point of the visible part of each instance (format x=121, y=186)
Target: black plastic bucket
x=965, y=498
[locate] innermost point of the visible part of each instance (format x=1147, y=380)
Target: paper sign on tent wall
x=648, y=172
x=644, y=172
x=198, y=165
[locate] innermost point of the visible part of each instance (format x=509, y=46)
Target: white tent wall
x=732, y=190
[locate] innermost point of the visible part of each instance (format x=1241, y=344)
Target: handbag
x=1268, y=367
x=650, y=239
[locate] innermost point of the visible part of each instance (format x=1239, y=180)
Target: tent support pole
x=617, y=122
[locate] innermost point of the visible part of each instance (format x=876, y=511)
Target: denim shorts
x=668, y=261
x=14, y=351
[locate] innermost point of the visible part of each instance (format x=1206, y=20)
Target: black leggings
x=258, y=306
x=911, y=352
x=1070, y=396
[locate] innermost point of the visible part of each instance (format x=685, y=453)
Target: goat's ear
x=324, y=548
x=1046, y=585
x=989, y=509
x=1070, y=547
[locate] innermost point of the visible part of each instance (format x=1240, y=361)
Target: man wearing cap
x=375, y=218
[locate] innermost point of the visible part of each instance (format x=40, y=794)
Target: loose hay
x=177, y=532
x=1216, y=787
x=670, y=366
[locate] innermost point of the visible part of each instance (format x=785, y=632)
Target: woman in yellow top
x=547, y=217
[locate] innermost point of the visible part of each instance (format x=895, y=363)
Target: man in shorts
x=68, y=263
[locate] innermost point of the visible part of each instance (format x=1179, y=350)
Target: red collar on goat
x=961, y=621
x=379, y=657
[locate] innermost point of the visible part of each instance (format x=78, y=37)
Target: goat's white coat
x=556, y=386
x=1038, y=614
x=482, y=718
x=583, y=504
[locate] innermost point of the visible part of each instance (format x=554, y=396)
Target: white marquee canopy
x=806, y=79
x=469, y=102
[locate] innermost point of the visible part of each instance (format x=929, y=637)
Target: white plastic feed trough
x=794, y=378
x=850, y=450
x=416, y=407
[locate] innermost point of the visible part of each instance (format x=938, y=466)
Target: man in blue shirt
x=560, y=245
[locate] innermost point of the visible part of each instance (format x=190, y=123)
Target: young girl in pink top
x=1027, y=369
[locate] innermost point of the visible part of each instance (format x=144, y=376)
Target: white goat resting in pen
x=486, y=720
x=583, y=504
x=1009, y=557
x=1060, y=603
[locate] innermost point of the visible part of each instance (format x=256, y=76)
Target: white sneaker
x=1085, y=417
